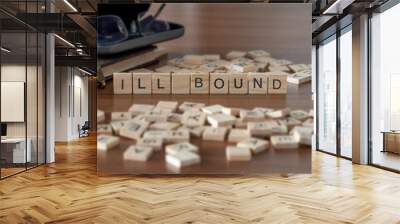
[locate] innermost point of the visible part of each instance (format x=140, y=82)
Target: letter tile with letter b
x=200, y=83
x=219, y=83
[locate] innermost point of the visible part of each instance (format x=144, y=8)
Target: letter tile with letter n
x=122, y=83
x=161, y=83
x=219, y=83
x=277, y=84
x=200, y=83
x=180, y=83
x=141, y=83
x=238, y=83
x=258, y=83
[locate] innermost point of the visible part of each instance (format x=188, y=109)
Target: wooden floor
x=70, y=191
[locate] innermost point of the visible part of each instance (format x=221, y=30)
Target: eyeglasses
x=112, y=29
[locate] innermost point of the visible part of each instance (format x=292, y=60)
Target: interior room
x=50, y=91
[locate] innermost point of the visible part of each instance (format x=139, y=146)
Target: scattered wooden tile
x=258, y=53
x=185, y=106
x=238, y=83
x=279, y=113
x=117, y=125
x=182, y=159
x=309, y=122
x=156, y=116
x=256, y=145
x=261, y=66
x=194, y=59
x=181, y=147
x=221, y=120
x=232, y=111
x=171, y=106
x=138, y=153
x=194, y=131
x=155, y=134
x=211, y=57
x=251, y=115
x=284, y=142
x=175, y=61
x=137, y=109
x=104, y=129
x=299, y=67
x=299, y=77
x=237, y=135
x=122, y=83
x=244, y=67
x=106, y=142
x=214, y=134
x=299, y=114
x=290, y=122
x=167, y=69
x=142, y=83
x=280, y=129
x=213, y=109
x=302, y=134
x=139, y=118
x=177, y=136
x=235, y=54
x=209, y=67
x=283, y=62
x=234, y=153
x=258, y=83
x=164, y=126
x=180, y=83
x=219, y=83
x=240, y=123
x=121, y=116
x=263, y=110
x=174, y=117
x=200, y=83
x=101, y=116
x=278, y=68
x=133, y=130
x=193, y=118
x=261, y=129
x=154, y=143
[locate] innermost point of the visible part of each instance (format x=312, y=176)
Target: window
x=327, y=96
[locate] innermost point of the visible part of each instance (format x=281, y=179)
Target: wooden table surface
x=212, y=153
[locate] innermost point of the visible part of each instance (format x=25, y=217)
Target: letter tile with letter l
x=277, y=84
x=141, y=83
x=219, y=83
x=238, y=83
x=200, y=83
x=161, y=83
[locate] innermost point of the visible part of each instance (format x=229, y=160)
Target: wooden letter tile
x=237, y=135
x=193, y=118
x=138, y=153
x=180, y=83
x=104, y=129
x=302, y=134
x=238, y=83
x=277, y=84
x=161, y=83
x=121, y=116
x=177, y=136
x=169, y=106
x=182, y=159
x=122, y=83
x=200, y=83
x=190, y=106
x=106, y=142
x=164, y=126
x=251, y=115
x=219, y=83
x=154, y=143
x=284, y=142
x=181, y=147
x=221, y=120
x=256, y=145
x=101, y=116
x=258, y=83
x=133, y=130
x=137, y=109
x=214, y=134
x=234, y=153
x=141, y=83
x=235, y=54
x=213, y=109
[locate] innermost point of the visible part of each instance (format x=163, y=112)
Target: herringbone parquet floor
x=69, y=191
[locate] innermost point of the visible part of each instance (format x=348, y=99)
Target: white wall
x=69, y=85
